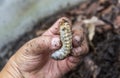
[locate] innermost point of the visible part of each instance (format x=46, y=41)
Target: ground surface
x=104, y=56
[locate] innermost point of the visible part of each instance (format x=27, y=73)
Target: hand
x=33, y=59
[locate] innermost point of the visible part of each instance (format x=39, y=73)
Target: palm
x=54, y=68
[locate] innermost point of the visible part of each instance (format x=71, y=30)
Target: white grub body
x=66, y=39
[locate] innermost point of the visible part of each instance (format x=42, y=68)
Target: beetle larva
x=66, y=39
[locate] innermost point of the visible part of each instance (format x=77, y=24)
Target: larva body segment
x=66, y=39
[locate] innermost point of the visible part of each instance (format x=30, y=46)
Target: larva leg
x=66, y=39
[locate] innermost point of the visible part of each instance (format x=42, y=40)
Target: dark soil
x=104, y=54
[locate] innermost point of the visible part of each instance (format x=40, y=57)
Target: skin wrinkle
x=36, y=60
x=19, y=59
x=50, y=66
x=10, y=73
x=17, y=69
x=68, y=64
x=74, y=52
x=55, y=68
x=29, y=60
x=27, y=52
x=59, y=68
x=77, y=51
x=75, y=60
x=13, y=66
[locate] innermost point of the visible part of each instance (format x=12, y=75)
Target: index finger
x=54, y=30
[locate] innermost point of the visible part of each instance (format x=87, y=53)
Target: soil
x=103, y=60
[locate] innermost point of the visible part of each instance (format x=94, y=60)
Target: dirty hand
x=33, y=59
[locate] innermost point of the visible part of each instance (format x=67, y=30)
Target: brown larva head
x=64, y=21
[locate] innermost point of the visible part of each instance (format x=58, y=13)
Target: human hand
x=33, y=59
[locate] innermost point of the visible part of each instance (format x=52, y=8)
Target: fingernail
x=77, y=40
x=55, y=43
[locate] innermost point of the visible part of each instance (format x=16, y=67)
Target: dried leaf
x=90, y=25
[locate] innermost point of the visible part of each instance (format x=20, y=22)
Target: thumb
x=41, y=44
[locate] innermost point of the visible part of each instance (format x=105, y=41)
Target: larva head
x=64, y=25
